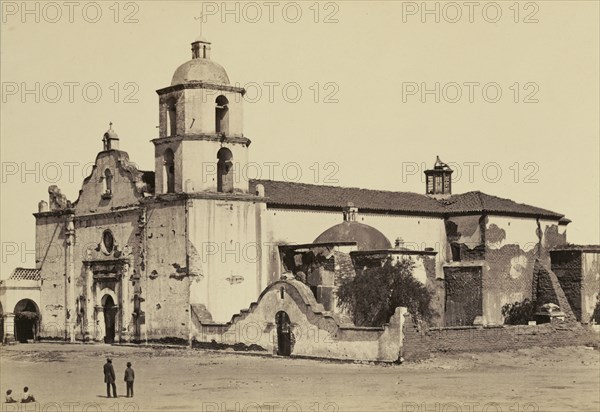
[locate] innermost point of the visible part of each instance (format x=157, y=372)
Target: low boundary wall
x=419, y=342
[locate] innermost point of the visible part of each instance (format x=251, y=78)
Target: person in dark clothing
x=129, y=377
x=109, y=378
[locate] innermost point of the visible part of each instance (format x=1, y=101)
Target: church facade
x=150, y=255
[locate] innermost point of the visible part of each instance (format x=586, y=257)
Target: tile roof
x=25, y=274
x=302, y=195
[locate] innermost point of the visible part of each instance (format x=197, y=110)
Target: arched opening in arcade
x=27, y=321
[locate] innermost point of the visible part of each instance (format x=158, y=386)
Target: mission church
x=171, y=253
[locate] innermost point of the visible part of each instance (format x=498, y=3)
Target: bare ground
x=69, y=377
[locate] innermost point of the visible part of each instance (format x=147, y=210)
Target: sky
x=351, y=93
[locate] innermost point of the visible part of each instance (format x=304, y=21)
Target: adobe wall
x=50, y=258
x=51, y=247
x=288, y=226
x=568, y=267
x=226, y=254
x=591, y=287
x=127, y=185
x=13, y=291
x=465, y=233
x=578, y=272
x=419, y=343
x=511, y=247
x=316, y=333
x=164, y=282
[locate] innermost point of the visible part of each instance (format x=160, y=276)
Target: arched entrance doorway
x=27, y=317
x=284, y=334
x=110, y=316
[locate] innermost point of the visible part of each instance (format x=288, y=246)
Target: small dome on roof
x=201, y=68
x=110, y=139
x=365, y=236
x=110, y=133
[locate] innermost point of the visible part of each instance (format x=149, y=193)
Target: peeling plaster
x=518, y=265
x=495, y=235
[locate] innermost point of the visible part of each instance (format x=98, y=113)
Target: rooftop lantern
x=439, y=179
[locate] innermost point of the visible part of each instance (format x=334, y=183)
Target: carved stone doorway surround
x=107, y=278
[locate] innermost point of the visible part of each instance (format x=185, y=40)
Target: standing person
x=109, y=378
x=129, y=377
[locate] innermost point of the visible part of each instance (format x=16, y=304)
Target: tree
x=372, y=296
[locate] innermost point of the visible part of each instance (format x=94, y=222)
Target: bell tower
x=201, y=145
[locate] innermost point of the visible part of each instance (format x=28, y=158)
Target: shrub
x=374, y=293
x=518, y=313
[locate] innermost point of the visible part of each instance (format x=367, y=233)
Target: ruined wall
x=421, y=342
x=225, y=245
x=316, y=333
x=512, y=245
x=288, y=227
x=568, y=267
x=165, y=284
x=464, y=238
x=578, y=272
x=591, y=287
x=323, y=268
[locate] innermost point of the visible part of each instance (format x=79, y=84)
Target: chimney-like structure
x=350, y=212
x=438, y=181
x=201, y=49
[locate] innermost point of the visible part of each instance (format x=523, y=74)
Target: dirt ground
x=69, y=378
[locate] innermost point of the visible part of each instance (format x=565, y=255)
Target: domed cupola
x=110, y=139
x=365, y=236
x=201, y=68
